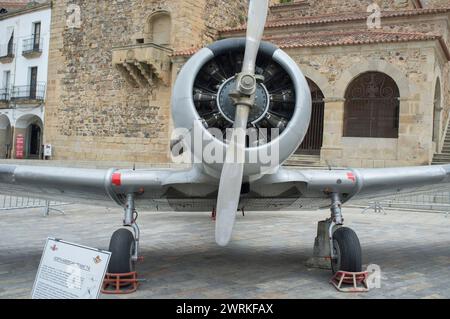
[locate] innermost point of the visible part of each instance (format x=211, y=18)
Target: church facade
x=379, y=79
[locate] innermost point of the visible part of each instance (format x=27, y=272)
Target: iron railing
x=8, y=202
x=428, y=201
x=29, y=92
x=4, y=95
x=31, y=45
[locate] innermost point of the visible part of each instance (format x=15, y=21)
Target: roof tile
x=341, y=17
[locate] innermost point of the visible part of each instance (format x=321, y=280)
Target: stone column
x=415, y=132
x=333, y=125
x=4, y=140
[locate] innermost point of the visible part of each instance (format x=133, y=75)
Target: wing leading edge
x=373, y=183
x=193, y=190
x=97, y=186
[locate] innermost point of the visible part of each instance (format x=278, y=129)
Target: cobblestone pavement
x=265, y=260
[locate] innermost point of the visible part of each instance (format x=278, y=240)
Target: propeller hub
x=247, y=84
x=227, y=106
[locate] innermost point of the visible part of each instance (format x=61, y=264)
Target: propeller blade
x=231, y=179
x=233, y=169
x=257, y=15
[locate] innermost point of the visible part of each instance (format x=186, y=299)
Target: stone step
x=441, y=161
x=303, y=160
x=442, y=156
x=305, y=165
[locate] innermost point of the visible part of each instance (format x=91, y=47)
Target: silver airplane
x=234, y=83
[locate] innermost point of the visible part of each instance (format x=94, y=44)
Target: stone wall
x=221, y=14
x=411, y=65
x=92, y=113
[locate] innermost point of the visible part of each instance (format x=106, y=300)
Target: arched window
x=159, y=28
x=372, y=107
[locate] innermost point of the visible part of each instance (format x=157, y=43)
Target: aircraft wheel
x=347, y=249
x=121, y=246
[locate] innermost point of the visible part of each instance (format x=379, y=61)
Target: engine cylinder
x=201, y=102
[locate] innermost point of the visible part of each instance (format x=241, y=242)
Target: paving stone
x=265, y=260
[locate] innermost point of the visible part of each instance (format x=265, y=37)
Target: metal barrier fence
x=433, y=202
x=8, y=202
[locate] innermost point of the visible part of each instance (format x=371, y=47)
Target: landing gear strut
x=124, y=244
x=336, y=247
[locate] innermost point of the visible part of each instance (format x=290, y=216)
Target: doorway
x=37, y=36
x=34, y=141
x=33, y=82
x=313, y=141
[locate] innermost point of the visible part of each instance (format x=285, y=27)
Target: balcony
x=32, y=48
x=143, y=65
x=4, y=98
x=28, y=94
x=7, y=53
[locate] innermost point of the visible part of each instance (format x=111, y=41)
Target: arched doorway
x=312, y=143
x=437, y=112
x=372, y=107
x=34, y=133
x=5, y=137
x=31, y=128
x=159, y=27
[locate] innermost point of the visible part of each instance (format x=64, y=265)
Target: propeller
x=233, y=169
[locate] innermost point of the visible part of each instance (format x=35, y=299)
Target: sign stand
x=70, y=271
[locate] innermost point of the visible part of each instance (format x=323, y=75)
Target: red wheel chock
x=120, y=284
x=350, y=281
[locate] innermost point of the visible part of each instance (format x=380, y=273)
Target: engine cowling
x=201, y=101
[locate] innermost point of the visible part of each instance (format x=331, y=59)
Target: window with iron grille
x=372, y=107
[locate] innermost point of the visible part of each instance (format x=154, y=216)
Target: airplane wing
x=193, y=190
x=364, y=183
x=100, y=187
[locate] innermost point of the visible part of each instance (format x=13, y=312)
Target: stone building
x=380, y=90
x=111, y=76
x=24, y=48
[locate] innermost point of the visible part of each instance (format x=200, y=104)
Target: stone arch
x=158, y=29
x=375, y=66
x=320, y=80
x=5, y=137
x=31, y=127
x=437, y=113
x=372, y=106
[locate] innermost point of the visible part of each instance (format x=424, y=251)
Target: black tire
x=122, y=247
x=347, y=249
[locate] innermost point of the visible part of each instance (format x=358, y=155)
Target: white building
x=24, y=48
